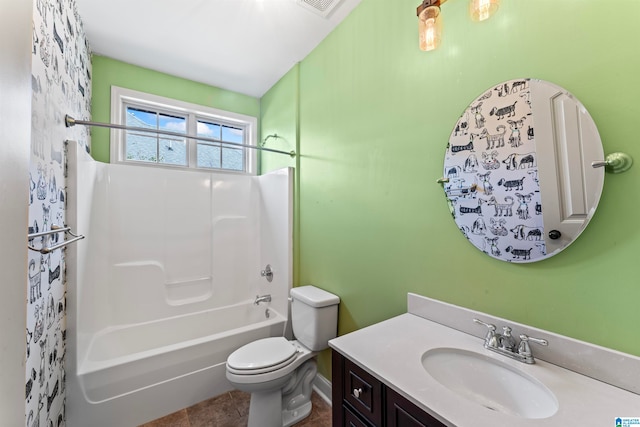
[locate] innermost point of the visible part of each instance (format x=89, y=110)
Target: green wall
x=374, y=117
x=279, y=105
x=108, y=72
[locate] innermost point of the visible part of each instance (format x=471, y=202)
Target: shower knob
x=267, y=272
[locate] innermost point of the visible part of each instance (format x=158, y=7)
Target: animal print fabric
x=61, y=84
x=491, y=168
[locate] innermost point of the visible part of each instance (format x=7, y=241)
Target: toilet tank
x=314, y=316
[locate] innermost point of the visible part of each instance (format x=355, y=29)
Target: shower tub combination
x=162, y=289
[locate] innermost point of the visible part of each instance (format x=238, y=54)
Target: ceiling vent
x=319, y=7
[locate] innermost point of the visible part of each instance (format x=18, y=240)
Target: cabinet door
x=402, y=413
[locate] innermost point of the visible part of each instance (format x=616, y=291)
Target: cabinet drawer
x=363, y=392
x=350, y=419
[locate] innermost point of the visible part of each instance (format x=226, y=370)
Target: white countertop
x=392, y=352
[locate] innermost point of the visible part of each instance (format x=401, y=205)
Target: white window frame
x=121, y=97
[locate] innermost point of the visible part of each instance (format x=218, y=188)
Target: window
x=152, y=147
x=220, y=156
x=221, y=134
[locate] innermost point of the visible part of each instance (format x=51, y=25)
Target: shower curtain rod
x=70, y=122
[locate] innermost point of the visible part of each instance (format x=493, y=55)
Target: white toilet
x=278, y=373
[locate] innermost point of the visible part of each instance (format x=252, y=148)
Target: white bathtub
x=133, y=374
x=124, y=360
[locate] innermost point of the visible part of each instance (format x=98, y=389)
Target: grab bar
x=54, y=229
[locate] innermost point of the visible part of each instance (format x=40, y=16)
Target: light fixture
x=482, y=9
x=429, y=24
x=430, y=21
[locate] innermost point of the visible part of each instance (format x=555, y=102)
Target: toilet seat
x=262, y=356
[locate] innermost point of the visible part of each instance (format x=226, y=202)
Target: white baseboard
x=322, y=386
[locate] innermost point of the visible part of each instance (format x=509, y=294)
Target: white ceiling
x=241, y=45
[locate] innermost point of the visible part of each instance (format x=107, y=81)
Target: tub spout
x=263, y=298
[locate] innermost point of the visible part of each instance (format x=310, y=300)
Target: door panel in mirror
x=566, y=133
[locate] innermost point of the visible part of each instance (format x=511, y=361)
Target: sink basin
x=490, y=383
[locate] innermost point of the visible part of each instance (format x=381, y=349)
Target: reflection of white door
x=570, y=187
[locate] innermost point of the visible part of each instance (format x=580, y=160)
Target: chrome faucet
x=505, y=343
x=263, y=298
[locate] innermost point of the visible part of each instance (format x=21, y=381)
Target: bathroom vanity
x=429, y=367
x=362, y=400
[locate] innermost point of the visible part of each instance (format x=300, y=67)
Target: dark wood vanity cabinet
x=361, y=400
x=402, y=413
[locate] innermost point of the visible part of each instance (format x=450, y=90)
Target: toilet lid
x=262, y=354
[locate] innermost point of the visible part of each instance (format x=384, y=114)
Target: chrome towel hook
x=615, y=162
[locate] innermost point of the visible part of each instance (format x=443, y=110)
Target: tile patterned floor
x=232, y=410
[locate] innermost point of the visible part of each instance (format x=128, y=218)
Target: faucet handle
x=488, y=325
x=490, y=339
x=540, y=341
x=267, y=272
x=524, y=349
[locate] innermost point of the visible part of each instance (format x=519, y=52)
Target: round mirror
x=517, y=170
